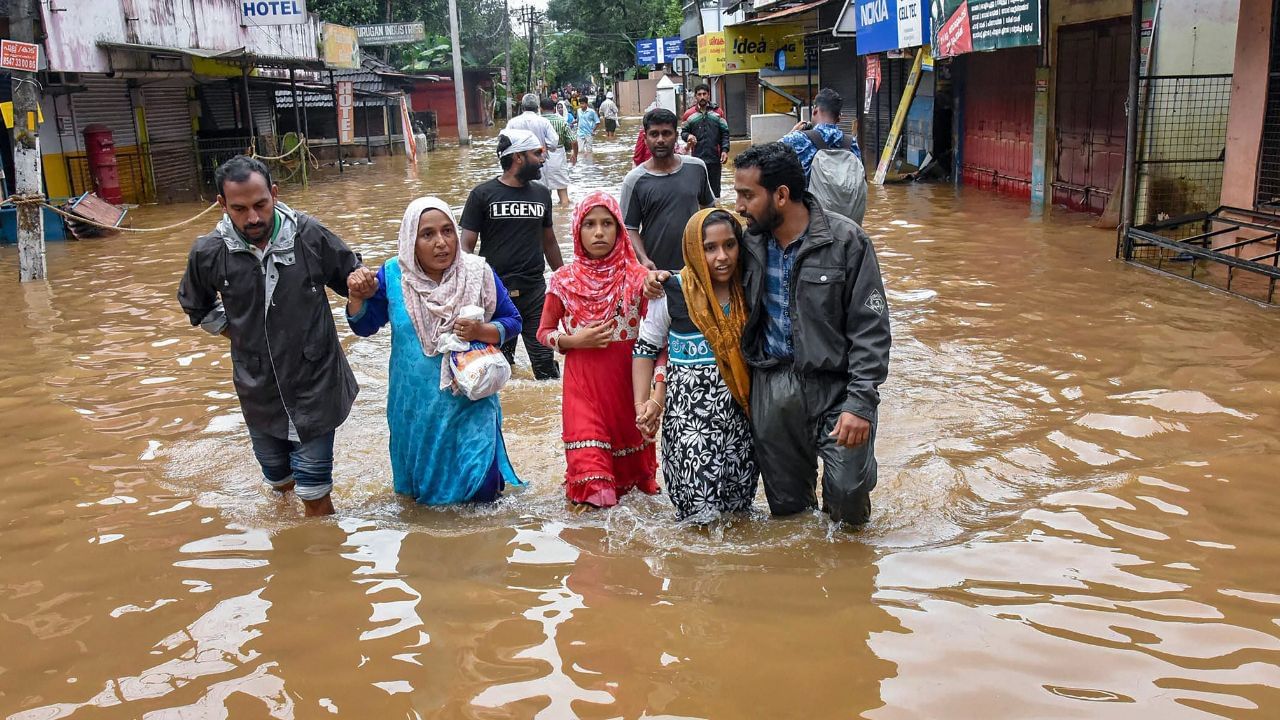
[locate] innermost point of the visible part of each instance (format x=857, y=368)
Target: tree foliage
x=575, y=38
x=586, y=33
x=481, y=28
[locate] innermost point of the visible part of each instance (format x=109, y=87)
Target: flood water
x=1075, y=517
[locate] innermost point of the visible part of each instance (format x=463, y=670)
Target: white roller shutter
x=170, y=138
x=104, y=102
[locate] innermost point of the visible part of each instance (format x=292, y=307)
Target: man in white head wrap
x=509, y=219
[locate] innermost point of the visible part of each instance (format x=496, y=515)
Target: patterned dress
x=708, y=459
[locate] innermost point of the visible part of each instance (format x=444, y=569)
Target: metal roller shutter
x=263, y=106
x=218, y=107
x=753, y=97
x=879, y=121
x=838, y=73
x=105, y=101
x=169, y=138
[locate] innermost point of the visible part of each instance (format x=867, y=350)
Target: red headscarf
x=594, y=290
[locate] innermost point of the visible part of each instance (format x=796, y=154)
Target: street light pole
x=459, y=92
x=506, y=29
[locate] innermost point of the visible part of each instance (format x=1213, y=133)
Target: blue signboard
x=647, y=52
x=891, y=24
x=653, y=51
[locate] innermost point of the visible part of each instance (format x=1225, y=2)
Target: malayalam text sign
x=754, y=47
x=273, y=12
x=971, y=25
x=20, y=56
x=711, y=53
x=341, y=47
x=346, y=112
x=891, y=25
x=391, y=33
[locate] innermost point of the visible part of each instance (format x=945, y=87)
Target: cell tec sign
x=891, y=24
x=273, y=12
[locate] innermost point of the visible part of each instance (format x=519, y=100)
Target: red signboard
x=21, y=56
x=955, y=36
x=346, y=112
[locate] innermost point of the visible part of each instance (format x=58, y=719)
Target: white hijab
x=433, y=306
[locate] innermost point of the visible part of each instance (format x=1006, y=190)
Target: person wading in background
x=661, y=194
x=707, y=134
x=509, y=217
x=258, y=279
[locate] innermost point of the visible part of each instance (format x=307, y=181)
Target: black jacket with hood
x=839, y=317
x=286, y=360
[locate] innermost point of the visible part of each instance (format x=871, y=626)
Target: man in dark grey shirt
x=662, y=193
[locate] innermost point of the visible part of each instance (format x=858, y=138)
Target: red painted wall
x=999, y=109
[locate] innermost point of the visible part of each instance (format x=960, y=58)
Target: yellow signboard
x=341, y=47
x=749, y=48
x=711, y=54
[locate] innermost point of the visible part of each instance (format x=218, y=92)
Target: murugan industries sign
x=969, y=25
x=391, y=33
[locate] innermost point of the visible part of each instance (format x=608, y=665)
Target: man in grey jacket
x=817, y=338
x=259, y=279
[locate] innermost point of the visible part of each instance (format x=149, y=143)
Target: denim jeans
x=308, y=465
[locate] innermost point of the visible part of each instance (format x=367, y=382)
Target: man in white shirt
x=609, y=112
x=555, y=175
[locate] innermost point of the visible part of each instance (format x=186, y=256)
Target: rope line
x=36, y=199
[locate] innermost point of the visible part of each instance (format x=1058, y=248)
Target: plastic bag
x=479, y=369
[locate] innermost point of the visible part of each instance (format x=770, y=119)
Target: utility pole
x=530, y=18
x=26, y=148
x=459, y=91
x=506, y=29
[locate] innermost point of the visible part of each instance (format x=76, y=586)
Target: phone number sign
x=19, y=56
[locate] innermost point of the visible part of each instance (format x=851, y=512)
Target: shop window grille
x=1182, y=140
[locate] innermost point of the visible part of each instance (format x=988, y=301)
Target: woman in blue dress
x=444, y=447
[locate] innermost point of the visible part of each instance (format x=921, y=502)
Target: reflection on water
x=1074, y=517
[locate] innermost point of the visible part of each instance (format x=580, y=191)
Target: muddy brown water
x=1075, y=516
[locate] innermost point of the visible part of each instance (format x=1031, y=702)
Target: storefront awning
x=240, y=56
x=782, y=14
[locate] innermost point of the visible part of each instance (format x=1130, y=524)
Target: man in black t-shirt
x=510, y=217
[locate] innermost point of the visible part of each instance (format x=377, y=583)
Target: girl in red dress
x=592, y=316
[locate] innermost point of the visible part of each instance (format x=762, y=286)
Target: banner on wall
x=873, y=82
x=341, y=47
x=406, y=126
x=749, y=48
x=962, y=26
x=885, y=25
x=711, y=53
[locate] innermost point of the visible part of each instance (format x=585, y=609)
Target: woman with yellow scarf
x=708, y=461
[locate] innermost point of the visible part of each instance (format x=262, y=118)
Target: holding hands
x=362, y=283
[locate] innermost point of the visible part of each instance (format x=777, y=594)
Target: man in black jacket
x=817, y=338
x=259, y=279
